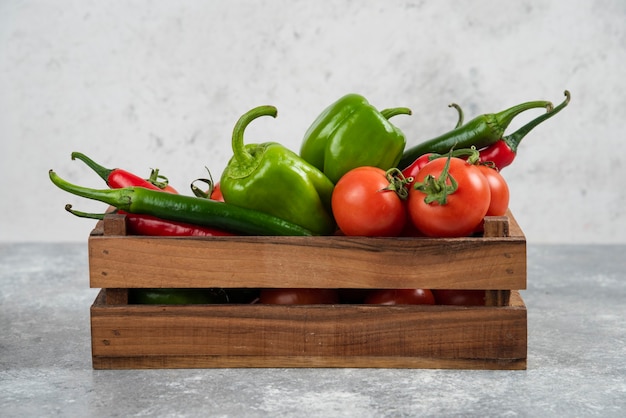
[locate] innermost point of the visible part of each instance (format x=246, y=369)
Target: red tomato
x=465, y=208
x=401, y=297
x=298, y=296
x=216, y=194
x=499, y=191
x=352, y=295
x=362, y=206
x=459, y=297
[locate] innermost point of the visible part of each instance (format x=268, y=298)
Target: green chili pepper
x=351, y=133
x=165, y=296
x=480, y=132
x=272, y=179
x=181, y=208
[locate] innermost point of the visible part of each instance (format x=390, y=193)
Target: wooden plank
x=332, y=334
x=514, y=229
x=114, y=224
x=496, y=226
x=191, y=362
x=325, y=262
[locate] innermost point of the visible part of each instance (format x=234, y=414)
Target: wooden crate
x=128, y=336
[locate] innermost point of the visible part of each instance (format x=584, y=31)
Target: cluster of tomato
x=369, y=201
x=443, y=197
x=372, y=296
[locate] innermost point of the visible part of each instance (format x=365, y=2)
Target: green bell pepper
x=351, y=133
x=270, y=178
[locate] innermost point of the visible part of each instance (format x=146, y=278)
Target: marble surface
x=160, y=84
x=576, y=354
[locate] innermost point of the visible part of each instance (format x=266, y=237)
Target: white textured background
x=141, y=84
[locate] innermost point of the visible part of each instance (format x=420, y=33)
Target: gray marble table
x=576, y=301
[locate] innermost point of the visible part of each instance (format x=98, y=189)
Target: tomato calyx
x=437, y=189
x=158, y=180
x=397, y=183
x=198, y=192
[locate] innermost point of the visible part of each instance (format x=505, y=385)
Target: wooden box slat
x=322, y=262
x=136, y=336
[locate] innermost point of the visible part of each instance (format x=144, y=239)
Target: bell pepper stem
x=513, y=140
x=389, y=113
x=239, y=150
x=103, y=172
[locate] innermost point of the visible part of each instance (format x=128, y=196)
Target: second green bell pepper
x=270, y=178
x=351, y=133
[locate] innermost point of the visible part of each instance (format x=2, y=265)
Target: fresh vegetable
x=270, y=178
x=188, y=209
x=400, y=297
x=462, y=297
x=498, y=188
x=115, y=177
x=153, y=226
x=213, y=192
x=296, y=296
x=367, y=202
x=352, y=133
x=503, y=152
x=160, y=181
x=411, y=171
x=164, y=296
x=216, y=194
x=450, y=198
x=480, y=132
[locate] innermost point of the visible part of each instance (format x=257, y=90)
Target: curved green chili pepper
x=480, y=132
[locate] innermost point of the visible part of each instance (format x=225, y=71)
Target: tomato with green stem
x=450, y=198
x=368, y=201
x=499, y=202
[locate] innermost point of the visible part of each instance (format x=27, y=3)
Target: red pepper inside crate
x=153, y=226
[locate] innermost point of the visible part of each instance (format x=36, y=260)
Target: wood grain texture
x=135, y=336
x=159, y=336
x=492, y=263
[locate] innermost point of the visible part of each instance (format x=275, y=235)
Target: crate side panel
x=325, y=262
x=335, y=331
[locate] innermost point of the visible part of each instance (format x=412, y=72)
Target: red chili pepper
x=411, y=171
x=143, y=224
x=153, y=226
x=503, y=152
x=116, y=178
